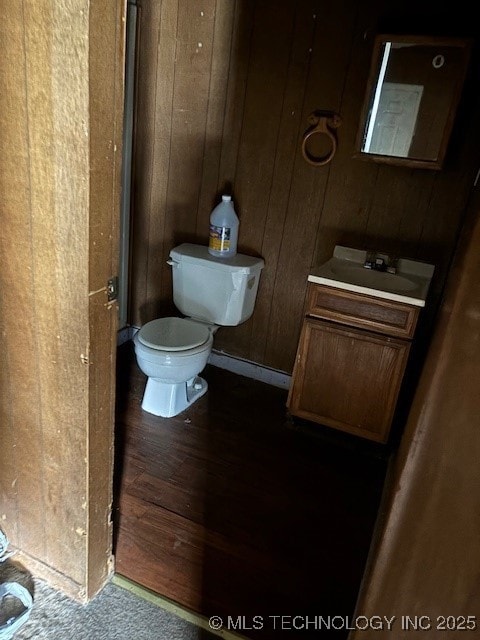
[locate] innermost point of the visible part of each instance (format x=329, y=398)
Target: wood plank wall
x=59, y=183
x=223, y=94
x=417, y=527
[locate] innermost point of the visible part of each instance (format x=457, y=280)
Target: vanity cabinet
x=351, y=359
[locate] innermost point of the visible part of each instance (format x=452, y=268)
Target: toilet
x=210, y=292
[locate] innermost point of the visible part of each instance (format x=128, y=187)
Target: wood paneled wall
x=426, y=557
x=223, y=94
x=60, y=129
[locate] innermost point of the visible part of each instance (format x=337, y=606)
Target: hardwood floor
x=230, y=509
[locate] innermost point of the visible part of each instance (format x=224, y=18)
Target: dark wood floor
x=232, y=509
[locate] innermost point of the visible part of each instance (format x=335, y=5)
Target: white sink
x=345, y=270
x=358, y=274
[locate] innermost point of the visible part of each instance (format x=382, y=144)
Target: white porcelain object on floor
x=212, y=292
x=171, y=352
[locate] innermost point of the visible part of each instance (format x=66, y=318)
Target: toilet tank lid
x=198, y=254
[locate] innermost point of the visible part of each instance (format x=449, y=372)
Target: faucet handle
x=392, y=266
x=369, y=260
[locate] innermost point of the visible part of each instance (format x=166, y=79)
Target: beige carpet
x=116, y=613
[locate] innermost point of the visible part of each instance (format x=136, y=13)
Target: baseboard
x=234, y=364
x=51, y=576
x=250, y=369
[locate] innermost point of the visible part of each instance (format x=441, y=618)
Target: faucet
x=380, y=262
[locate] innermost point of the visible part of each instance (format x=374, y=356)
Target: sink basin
x=345, y=270
x=357, y=274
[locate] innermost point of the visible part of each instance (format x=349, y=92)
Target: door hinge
x=112, y=289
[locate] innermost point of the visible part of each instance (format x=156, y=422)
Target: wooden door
x=61, y=120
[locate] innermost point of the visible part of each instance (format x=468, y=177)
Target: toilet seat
x=173, y=334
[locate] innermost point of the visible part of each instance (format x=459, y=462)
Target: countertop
x=345, y=270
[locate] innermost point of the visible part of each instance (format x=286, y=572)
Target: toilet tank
x=217, y=290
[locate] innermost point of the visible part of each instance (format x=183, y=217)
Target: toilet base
x=168, y=400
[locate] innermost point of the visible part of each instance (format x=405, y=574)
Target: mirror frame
x=465, y=44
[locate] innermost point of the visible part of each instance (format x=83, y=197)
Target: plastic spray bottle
x=223, y=229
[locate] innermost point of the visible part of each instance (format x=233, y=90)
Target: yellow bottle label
x=219, y=238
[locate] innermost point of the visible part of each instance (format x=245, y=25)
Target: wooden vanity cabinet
x=350, y=361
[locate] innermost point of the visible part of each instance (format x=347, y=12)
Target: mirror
x=413, y=91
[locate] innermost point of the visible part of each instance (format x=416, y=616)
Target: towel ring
x=325, y=125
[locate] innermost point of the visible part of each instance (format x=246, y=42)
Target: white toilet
x=211, y=292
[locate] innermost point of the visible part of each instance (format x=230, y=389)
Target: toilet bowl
x=172, y=352
x=210, y=292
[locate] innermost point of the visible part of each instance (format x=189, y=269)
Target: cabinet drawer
x=359, y=310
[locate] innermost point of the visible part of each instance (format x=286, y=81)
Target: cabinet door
x=348, y=379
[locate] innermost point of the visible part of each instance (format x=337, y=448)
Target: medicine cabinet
x=413, y=91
